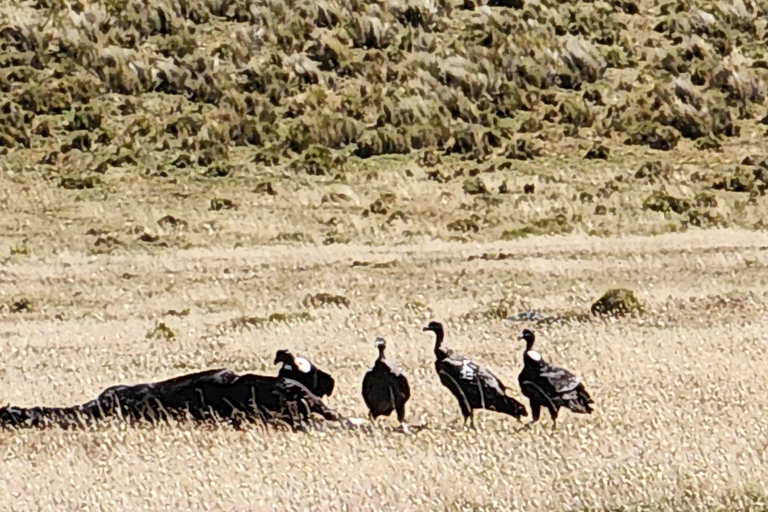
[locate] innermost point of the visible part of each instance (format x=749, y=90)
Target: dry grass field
x=680, y=390
x=178, y=179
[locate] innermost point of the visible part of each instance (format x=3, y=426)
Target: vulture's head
x=283, y=356
x=529, y=338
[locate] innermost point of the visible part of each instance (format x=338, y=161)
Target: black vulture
x=473, y=385
x=549, y=385
x=302, y=370
x=213, y=395
x=385, y=387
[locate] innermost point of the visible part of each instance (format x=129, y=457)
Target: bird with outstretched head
x=302, y=370
x=385, y=387
x=548, y=385
x=473, y=385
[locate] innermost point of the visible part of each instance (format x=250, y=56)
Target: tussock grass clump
x=78, y=183
x=221, y=203
x=661, y=202
x=740, y=179
x=19, y=305
x=161, y=332
x=653, y=172
x=616, y=302
x=319, y=300
x=258, y=322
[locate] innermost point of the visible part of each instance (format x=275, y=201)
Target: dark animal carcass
x=218, y=395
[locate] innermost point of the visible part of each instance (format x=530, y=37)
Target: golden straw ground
x=680, y=392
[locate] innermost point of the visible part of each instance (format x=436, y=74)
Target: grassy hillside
x=383, y=120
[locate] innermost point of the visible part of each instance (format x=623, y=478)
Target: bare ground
x=680, y=391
